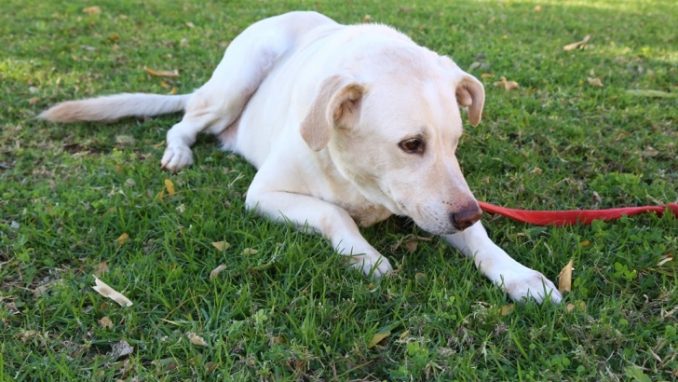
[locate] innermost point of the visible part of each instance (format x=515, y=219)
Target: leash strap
x=571, y=217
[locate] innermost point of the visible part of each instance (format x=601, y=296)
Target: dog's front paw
x=530, y=284
x=176, y=157
x=376, y=266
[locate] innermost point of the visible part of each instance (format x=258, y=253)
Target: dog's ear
x=337, y=104
x=470, y=93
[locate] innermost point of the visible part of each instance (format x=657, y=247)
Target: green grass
x=291, y=311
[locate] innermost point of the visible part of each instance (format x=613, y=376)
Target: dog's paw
x=376, y=266
x=176, y=157
x=530, y=284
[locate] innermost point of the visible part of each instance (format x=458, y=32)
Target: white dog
x=346, y=125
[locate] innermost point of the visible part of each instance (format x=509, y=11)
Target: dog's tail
x=113, y=107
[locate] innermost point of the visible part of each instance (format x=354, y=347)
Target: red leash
x=571, y=217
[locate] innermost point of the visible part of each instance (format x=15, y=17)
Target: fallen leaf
x=211, y=366
x=585, y=244
x=221, y=245
x=565, y=278
x=162, y=73
x=120, y=349
x=506, y=84
x=577, y=44
x=367, y=18
x=26, y=335
x=106, y=322
x=664, y=260
x=41, y=290
x=651, y=93
x=122, y=239
x=411, y=246
x=93, y=10
x=190, y=24
x=215, y=272
x=507, y=309
x=594, y=81
x=537, y=8
x=125, y=140
x=169, y=186
x=160, y=196
x=249, y=251
x=33, y=100
x=569, y=307
x=276, y=340
x=378, y=337
x=196, y=339
x=404, y=335
x=103, y=289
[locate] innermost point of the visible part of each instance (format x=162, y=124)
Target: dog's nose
x=466, y=216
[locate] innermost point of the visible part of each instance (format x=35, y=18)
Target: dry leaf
x=221, y=245
x=93, y=10
x=577, y=44
x=367, y=18
x=125, y=140
x=507, y=309
x=508, y=85
x=160, y=196
x=215, y=272
x=651, y=93
x=378, y=337
x=196, y=339
x=190, y=25
x=411, y=246
x=565, y=278
x=121, y=349
x=103, y=289
x=122, y=239
x=664, y=260
x=106, y=322
x=249, y=251
x=537, y=8
x=169, y=186
x=579, y=305
x=594, y=81
x=33, y=100
x=162, y=73
x=27, y=335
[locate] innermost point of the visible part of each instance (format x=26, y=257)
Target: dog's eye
x=412, y=145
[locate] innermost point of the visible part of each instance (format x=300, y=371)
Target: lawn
x=592, y=127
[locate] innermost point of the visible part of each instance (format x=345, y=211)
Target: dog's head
x=394, y=135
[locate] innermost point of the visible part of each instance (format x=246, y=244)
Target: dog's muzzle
x=466, y=216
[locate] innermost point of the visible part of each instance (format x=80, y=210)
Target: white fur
x=321, y=110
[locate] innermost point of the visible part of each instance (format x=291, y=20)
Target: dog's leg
x=517, y=280
x=246, y=62
x=333, y=222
